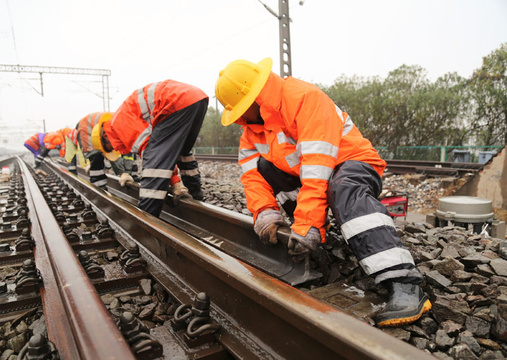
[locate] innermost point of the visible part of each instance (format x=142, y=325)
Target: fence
x=467, y=153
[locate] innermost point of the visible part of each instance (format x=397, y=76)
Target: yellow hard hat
x=97, y=141
x=238, y=86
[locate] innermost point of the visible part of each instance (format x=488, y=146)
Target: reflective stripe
x=89, y=131
x=157, y=173
x=152, y=194
x=363, y=223
x=72, y=167
x=147, y=106
x=262, y=148
x=188, y=158
x=140, y=139
x=249, y=165
x=100, y=182
x=315, y=172
x=292, y=159
x=386, y=259
x=347, y=126
x=145, y=111
x=284, y=196
x=339, y=112
x=192, y=172
x=246, y=153
x=317, y=147
x=282, y=139
x=97, y=172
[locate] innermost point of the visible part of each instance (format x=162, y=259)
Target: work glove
x=87, y=169
x=180, y=191
x=267, y=224
x=125, y=178
x=300, y=246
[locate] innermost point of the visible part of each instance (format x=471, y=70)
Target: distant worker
x=301, y=149
x=41, y=143
x=159, y=122
x=95, y=157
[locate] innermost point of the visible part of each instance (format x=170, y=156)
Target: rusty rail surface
x=77, y=320
x=260, y=316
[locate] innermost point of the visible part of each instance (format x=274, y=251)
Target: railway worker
x=299, y=148
x=95, y=158
x=159, y=122
x=41, y=143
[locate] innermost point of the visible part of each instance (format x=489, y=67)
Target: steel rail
x=261, y=317
x=68, y=290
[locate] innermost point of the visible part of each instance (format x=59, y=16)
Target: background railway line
x=184, y=273
x=433, y=168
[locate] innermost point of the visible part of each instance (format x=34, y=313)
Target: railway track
x=114, y=282
x=433, y=168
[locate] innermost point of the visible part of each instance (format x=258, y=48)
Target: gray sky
x=191, y=41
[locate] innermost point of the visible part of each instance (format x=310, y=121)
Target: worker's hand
x=125, y=178
x=180, y=191
x=87, y=169
x=300, y=246
x=266, y=225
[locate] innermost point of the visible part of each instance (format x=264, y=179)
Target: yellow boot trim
x=407, y=320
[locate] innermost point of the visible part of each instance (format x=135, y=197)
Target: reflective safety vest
x=306, y=135
x=132, y=123
x=84, y=130
x=63, y=132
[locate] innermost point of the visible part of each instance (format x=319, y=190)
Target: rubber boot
x=194, y=187
x=406, y=304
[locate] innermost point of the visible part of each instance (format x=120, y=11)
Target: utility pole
x=284, y=34
x=284, y=30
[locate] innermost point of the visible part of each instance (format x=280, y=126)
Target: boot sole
x=406, y=320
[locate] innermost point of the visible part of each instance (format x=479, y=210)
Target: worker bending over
x=160, y=122
x=301, y=149
x=41, y=143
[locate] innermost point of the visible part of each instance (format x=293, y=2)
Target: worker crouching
x=298, y=149
x=160, y=122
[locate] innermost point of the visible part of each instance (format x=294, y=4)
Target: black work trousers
x=171, y=140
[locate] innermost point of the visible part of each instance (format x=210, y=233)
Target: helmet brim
x=97, y=141
x=231, y=116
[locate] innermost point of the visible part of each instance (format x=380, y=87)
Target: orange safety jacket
x=72, y=135
x=52, y=140
x=132, y=124
x=306, y=135
x=63, y=132
x=84, y=130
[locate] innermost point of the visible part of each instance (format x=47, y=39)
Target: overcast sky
x=191, y=41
